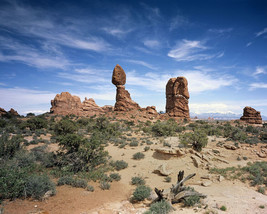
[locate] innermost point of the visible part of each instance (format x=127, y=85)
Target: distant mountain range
x=219, y=116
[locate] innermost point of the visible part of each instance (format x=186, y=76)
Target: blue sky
x=47, y=47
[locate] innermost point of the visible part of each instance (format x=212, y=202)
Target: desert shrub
x=223, y=208
x=119, y=164
x=80, y=154
x=168, y=179
x=9, y=145
x=141, y=193
x=252, y=140
x=252, y=129
x=261, y=190
x=115, y=176
x=146, y=148
x=138, y=181
x=105, y=128
x=3, y=123
x=79, y=183
x=47, y=159
x=37, y=185
x=24, y=159
x=90, y=188
x=161, y=207
x=138, y=156
x=166, y=144
x=191, y=200
x=66, y=180
x=262, y=206
x=263, y=137
x=148, y=142
x=35, y=123
x=238, y=135
x=65, y=126
x=133, y=144
x=106, y=178
x=198, y=139
x=165, y=128
x=104, y=185
x=12, y=181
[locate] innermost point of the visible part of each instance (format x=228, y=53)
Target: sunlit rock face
x=251, y=116
x=67, y=104
x=123, y=97
x=177, y=97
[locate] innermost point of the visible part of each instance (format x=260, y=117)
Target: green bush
x=161, y=207
x=90, y=188
x=9, y=145
x=66, y=180
x=168, y=179
x=191, y=200
x=133, y=144
x=198, y=139
x=79, y=183
x=80, y=154
x=165, y=128
x=261, y=190
x=115, y=176
x=37, y=185
x=138, y=181
x=65, y=126
x=141, y=193
x=223, y=208
x=104, y=185
x=119, y=164
x=138, y=156
x=35, y=123
x=146, y=148
x=12, y=182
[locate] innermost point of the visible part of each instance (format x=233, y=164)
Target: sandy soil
x=238, y=197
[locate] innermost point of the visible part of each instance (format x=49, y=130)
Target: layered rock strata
x=177, y=97
x=251, y=116
x=66, y=104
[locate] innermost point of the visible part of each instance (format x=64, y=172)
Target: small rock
x=261, y=155
x=206, y=177
x=196, y=161
x=220, y=178
x=206, y=183
x=35, y=206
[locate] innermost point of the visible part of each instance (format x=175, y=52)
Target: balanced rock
x=251, y=116
x=124, y=101
x=177, y=96
x=118, y=76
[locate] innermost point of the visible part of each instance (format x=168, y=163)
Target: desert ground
x=235, y=195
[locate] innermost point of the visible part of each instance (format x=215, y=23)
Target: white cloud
x=145, y=64
x=259, y=70
x=261, y=32
x=30, y=55
x=152, y=43
x=117, y=32
x=221, y=30
x=198, y=81
x=36, y=23
x=187, y=50
x=177, y=22
x=249, y=43
x=257, y=85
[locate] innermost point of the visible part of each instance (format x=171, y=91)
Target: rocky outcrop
x=123, y=98
x=151, y=110
x=251, y=116
x=11, y=112
x=66, y=104
x=177, y=96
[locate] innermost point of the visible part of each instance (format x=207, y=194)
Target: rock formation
x=66, y=104
x=250, y=115
x=11, y=112
x=123, y=98
x=177, y=96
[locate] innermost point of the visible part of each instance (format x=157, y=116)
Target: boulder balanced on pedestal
x=123, y=97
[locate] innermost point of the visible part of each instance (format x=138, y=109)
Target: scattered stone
x=215, y=151
x=162, y=169
x=220, y=178
x=170, y=151
x=261, y=155
x=177, y=96
x=206, y=183
x=208, y=177
x=231, y=147
x=197, y=162
x=251, y=116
